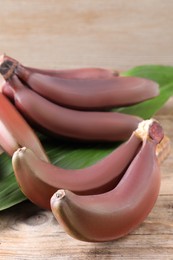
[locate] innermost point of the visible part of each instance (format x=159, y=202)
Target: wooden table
x=106, y=33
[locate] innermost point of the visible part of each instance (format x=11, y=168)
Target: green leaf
x=73, y=155
x=10, y=193
x=163, y=75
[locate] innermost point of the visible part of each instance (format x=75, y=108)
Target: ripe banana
x=97, y=178
x=79, y=73
x=90, y=94
x=113, y=214
x=15, y=131
x=68, y=123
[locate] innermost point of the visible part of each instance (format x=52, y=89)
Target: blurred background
x=116, y=34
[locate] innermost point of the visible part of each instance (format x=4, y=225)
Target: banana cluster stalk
x=106, y=200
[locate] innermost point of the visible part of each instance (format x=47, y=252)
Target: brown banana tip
x=156, y=132
x=7, y=68
x=150, y=128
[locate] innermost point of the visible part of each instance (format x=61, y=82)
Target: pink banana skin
x=33, y=188
x=90, y=94
x=98, y=178
x=15, y=132
x=68, y=123
x=111, y=215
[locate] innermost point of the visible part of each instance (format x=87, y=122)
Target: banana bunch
x=106, y=200
x=67, y=105
x=113, y=214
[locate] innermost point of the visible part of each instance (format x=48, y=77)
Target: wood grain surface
x=104, y=33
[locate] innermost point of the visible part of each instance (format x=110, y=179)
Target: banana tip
x=55, y=200
x=150, y=128
x=60, y=194
x=20, y=150
x=156, y=132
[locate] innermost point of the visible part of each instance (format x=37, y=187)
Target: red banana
x=79, y=125
x=98, y=178
x=90, y=94
x=113, y=214
x=79, y=73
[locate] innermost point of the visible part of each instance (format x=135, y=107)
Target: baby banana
x=90, y=94
x=98, y=178
x=68, y=123
x=79, y=73
x=113, y=214
x=15, y=132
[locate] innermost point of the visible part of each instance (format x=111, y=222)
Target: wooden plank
x=117, y=34
x=32, y=232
